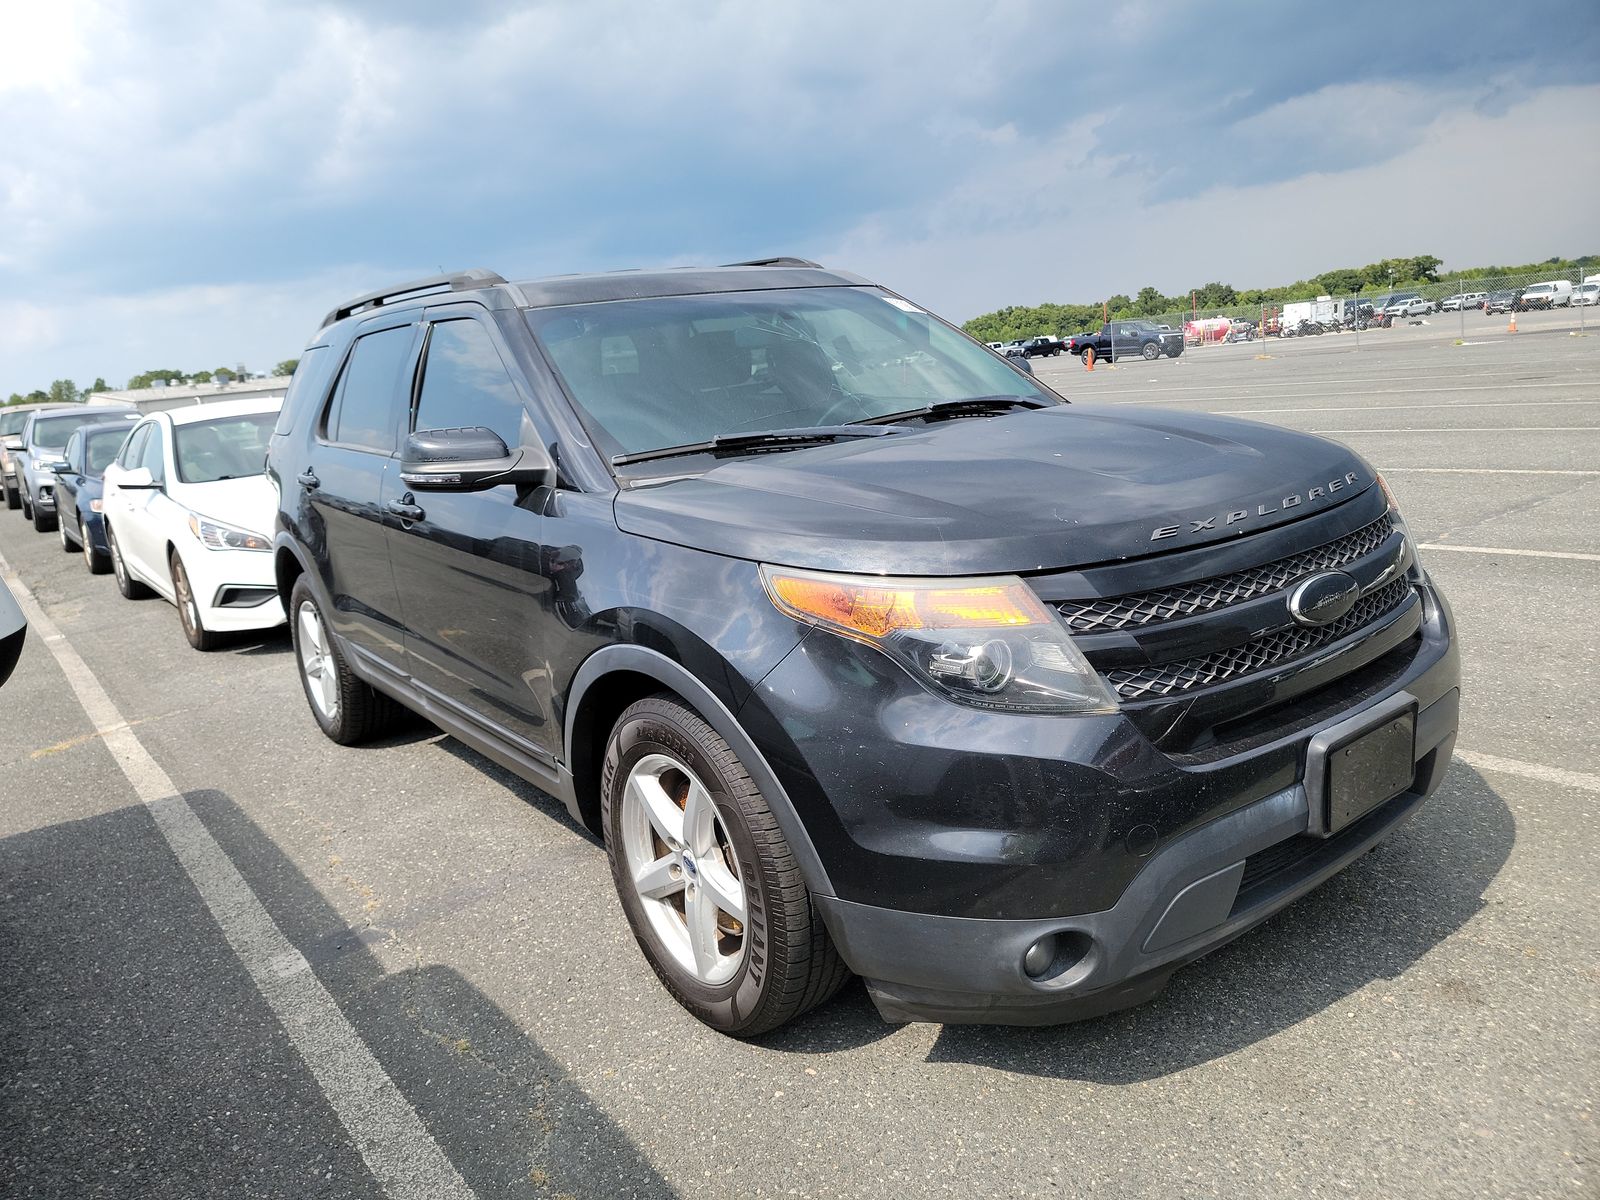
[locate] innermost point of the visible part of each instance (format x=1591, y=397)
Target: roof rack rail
x=782, y=260
x=455, y=281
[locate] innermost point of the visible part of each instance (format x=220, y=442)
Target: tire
x=1174, y=351
x=97, y=563
x=13, y=497
x=43, y=522
x=754, y=974
x=349, y=710
x=27, y=508
x=66, y=542
x=130, y=587
x=1151, y=351
x=194, y=628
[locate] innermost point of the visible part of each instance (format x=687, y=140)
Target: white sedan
x=189, y=512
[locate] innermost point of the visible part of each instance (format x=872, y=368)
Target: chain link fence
x=1464, y=300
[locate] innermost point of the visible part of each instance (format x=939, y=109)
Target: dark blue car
x=89, y=451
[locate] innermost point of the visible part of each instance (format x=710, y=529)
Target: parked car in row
x=13, y=632
x=1122, y=339
x=1501, y=301
x=1040, y=347
x=1462, y=300
x=860, y=649
x=1586, y=294
x=1411, y=305
x=80, y=485
x=44, y=438
x=12, y=420
x=1555, y=294
x=188, y=512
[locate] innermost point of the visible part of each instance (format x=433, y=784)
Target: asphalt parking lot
x=1427, y=1024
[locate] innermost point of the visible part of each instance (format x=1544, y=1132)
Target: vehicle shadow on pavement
x=1370, y=922
x=507, y=1115
x=140, y=1057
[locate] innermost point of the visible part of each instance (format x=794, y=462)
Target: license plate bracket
x=1373, y=767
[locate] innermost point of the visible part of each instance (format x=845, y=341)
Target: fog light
x=1039, y=956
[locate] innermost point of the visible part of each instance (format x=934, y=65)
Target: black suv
x=862, y=650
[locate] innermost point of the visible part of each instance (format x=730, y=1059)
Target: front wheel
x=1151, y=351
x=194, y=629
x=43, y=522
x=92, y=558
x=349, y=710
x=708, y=883
x=66, y=541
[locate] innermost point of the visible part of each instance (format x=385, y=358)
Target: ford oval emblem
x=1324, y=597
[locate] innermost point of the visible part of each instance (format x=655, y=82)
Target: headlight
x=1399, y=522
x=95, y=505
x=988, y=642
x=214, y=535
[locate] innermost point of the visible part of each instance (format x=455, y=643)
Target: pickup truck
x=1119, y=339
x=1036, y=347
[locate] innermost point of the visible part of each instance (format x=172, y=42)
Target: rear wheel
x=347, y=709
x=13, y=497
x=92, y=558
x=708, y=883
x=194, y=627
x=130, y=587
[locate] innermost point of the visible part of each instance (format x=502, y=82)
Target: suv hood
x=1044, y=489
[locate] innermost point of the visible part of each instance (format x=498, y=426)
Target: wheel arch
x=616, y=676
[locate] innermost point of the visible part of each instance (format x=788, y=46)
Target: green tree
x=1214, y=295
x=36, y=397
x=99, y=385
x=286, y=367
x=145, y=378
x=1150, y=302
x=200, y=377
x=223, y=375
x=64, y=391
x=16, y=398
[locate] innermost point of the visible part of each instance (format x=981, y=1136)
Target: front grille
x=1185, y=600
x=1259, y=654
x=1279, y=857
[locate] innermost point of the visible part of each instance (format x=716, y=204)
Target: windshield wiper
x=970, y=406
x=756, y=443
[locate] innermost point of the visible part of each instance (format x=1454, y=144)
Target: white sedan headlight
x=214, y=535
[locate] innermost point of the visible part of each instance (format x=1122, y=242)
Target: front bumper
x=236, y=590
x=956, y=848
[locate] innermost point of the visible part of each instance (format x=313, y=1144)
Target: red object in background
x=1206, y=329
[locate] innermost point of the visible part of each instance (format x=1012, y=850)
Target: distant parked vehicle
x=189, y=513
x=80, y=484
x=1503, y=301
x=1119, y=339
x=1411, y=306
x=1462, y=300
x=12, y=420
x=1555, y=294
x=1036, y=347
x=44, y=437
x=996, y=345
x=1586, y=294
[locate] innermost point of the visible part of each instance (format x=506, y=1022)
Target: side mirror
x=138, y=479
x=468, y=460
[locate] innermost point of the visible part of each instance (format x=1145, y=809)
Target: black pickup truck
x=1119, y=339
x=1036, y=347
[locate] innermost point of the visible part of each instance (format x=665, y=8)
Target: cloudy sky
x=192, y=185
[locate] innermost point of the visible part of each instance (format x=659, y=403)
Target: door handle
x=405, y=509
x=308, y=480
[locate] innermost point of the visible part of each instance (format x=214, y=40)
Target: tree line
x=64, y=391
x=1031, y=320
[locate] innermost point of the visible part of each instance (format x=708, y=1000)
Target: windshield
x=12, y=422
x=102, y=450
x=51, y=433
x=225, y=448
x=683, y=369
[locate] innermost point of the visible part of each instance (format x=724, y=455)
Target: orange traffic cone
x=1512, y=328
x=1088, y=359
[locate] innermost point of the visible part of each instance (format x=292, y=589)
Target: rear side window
x=102, y=450
x=368, y=405
x=310, y=380
x=71, y=452
x=464, y=383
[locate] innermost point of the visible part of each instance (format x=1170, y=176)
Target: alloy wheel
x=316, y=661
x=683, y=868
x=187, y=611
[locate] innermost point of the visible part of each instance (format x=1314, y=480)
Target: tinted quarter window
x=464, y=383
x=129, y=458
x=370, y=397
x=310, y=379
x=152, y=457
x=71, y=452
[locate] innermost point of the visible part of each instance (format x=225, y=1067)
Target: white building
x=154, y=399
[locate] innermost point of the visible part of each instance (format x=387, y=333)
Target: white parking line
x=1239, y=412
x=1479, y=471
x=1511, y=766
x=1425, y=391
x=1574, y=555
x=1478, y=429
x=391, y=1138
